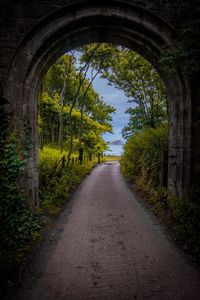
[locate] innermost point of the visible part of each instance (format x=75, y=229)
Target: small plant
x=143, y=154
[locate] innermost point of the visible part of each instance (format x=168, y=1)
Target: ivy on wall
x=18, y=225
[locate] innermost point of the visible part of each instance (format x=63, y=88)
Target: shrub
x=142, y=156
x=58, y=181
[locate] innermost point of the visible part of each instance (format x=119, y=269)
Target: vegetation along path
x=107, y=246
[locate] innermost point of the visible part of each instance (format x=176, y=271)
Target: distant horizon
x=114, y=150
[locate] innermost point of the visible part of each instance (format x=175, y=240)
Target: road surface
x=107, y=246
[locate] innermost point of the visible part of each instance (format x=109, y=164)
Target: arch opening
x=79, y=24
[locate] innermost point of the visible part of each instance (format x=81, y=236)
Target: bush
x=142, y=156
x=141, y=163
x=58, y=181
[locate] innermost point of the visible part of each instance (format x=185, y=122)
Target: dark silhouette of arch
x=81, y=22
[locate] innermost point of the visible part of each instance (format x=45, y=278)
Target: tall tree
x=131, y=73
x=69, y=108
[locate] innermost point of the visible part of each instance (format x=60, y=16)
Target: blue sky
x=117, y=99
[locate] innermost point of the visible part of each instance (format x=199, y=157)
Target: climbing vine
x=18, y=225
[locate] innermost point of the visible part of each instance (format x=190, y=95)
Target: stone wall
x=18, y=17
x=34, y=33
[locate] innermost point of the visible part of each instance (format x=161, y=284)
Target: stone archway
x=73, y=25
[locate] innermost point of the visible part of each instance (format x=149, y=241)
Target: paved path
x=108, y=247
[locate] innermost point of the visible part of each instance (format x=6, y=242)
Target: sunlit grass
x=58, y=179
x=52, y=154
x=111, y=158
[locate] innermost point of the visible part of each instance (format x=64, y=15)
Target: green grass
x=111, y=158
x=49, y=154
x=57, y=181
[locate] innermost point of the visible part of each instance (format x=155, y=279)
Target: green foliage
x=18, y=225
x=57, y=181
x=142, y=156
x=142, y=162
x=158, y=199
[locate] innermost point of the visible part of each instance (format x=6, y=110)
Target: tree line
x=72, y=115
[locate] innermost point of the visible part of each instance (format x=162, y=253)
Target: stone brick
x=34, y=33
